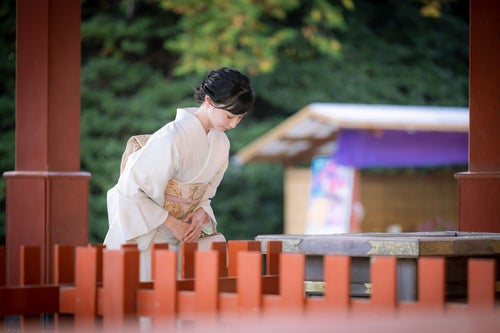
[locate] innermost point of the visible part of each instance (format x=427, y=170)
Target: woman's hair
x=228, y=89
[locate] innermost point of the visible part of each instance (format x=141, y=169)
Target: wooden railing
x=237, y=286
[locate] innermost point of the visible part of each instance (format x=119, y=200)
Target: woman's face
x=223, y=120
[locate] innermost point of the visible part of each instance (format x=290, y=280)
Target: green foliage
x=401, y=59
x=131, y=30
x=246, y=202
x=250, y=34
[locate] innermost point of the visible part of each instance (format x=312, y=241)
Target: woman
x=163, y=194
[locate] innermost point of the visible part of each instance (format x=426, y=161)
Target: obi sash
x=181, y=199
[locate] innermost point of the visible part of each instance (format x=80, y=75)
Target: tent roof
x=312, y=131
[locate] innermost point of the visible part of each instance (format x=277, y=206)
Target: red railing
x=100, y=289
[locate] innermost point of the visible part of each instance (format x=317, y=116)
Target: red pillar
x=479, y=188
x=47, y=194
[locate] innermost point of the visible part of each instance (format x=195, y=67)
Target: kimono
x=177, y=171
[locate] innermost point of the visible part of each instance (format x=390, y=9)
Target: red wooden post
x=206, y=283
x=337, y=281
x=187, y=253
x=206, y=290
x=154, y=247
x=274, y=249
x=383, y=275
x=221, y=248
x=120, y=284
x=30, y=274
x=236, y=246
x=479, y=188
x=30, y=265
x=86, y=286
x=64, y=278
x=249, y=282
x=30, y=299
x=431, y=283
x=46, y=195
x=100, y=249
x=481, y=283
x=2, y=266
x=165, y=288
x=163, y=307
x=85, y=290
x=292, y=276
x=64, y=264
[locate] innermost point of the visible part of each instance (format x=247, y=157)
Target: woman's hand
x=178, y=228
x=195, y=221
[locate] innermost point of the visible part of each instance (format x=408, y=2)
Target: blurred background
x=141, y=60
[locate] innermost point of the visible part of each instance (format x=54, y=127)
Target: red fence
x=96, y=289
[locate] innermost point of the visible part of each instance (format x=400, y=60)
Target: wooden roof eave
x=250, y=152
x=254, y=151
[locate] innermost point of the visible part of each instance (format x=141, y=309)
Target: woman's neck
x=202, y=115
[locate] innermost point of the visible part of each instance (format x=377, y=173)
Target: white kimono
x=180, y=150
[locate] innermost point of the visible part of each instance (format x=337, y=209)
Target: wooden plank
x=29, y=300
x=165, y=286
x=86, y=282
x=187, y=251
x=227, y=285
x=100, y=248
x=113, y=300
x=64, y=264
x=185, y=285
x=271, y=305
x=31, y=271
x=481, y=283
x=404, y=245
x=337, y=281
x=145, y=303
x=274, y=249
x=206, y=283
x=186, y=305
x=228, y=302
x=384, y=283
x=164, y=300
x=154, y=247
x=122, y=294
x=235, y=246
x=2, y=266
x=431, y=283
x=249, y=283
x=292, y=281
x=120, y=285
x=221, y=248
x=100, y=301
x=67, y=299
x=271, y=285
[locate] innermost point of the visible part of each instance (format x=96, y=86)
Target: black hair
x=228, y=89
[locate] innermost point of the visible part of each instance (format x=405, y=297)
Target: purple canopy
x=393, y=148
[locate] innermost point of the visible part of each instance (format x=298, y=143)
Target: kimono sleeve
x=141, y=187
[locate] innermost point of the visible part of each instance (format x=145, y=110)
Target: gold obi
x=181, y=199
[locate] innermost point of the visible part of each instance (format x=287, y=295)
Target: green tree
x=251, y=34
x=391, y=55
